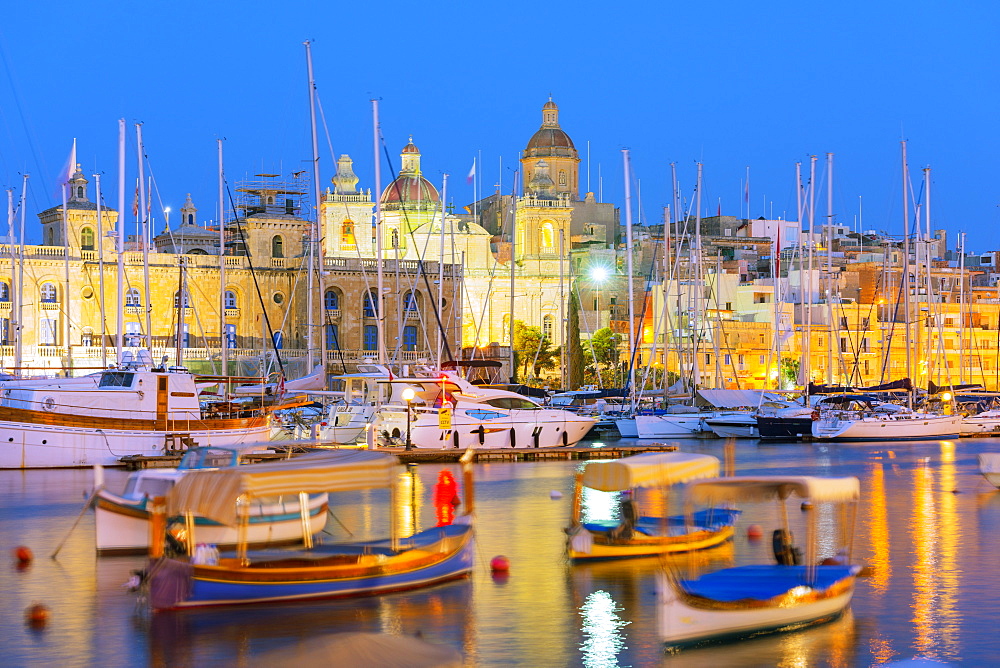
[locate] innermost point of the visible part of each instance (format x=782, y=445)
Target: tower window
x=562, y=177
x=79, y=192
x=277, y=246
x=394, y=239
x=548, y=236
x=132, y=297
x=230, y=299
x=347, y=240
x=87, y=239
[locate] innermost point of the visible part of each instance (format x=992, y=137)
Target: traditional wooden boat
x=989, y=466
x=122, y=521
x=642, y=536
x=317, y=570
x=749, y=600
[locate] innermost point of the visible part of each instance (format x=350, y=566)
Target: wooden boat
x=122, y=521
x=749, y=600
x=317, y=570
x=642, y=536
x=989, y=466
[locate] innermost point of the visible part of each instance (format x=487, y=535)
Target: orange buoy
x=754, y=531
x=23, y=554
x=499, y=564
x=36, y=616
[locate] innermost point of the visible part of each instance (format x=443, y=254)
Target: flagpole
x=121, y=238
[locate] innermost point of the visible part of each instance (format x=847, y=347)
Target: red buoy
x=36, y=616
x=499, y=564
x=23, y=554
x=754, y=531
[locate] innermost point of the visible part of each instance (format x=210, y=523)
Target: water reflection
x=601, y=627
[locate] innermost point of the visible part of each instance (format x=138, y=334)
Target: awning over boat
x=651, y=469
x=735, y=398
x=763, y=488
x=214, y=493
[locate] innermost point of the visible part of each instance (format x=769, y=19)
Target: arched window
x=187, y=299
x=190, y=219
x=562, y=177
x=410, y=303
x=347, y=239
x=79, y=192
x=50, y=237
x=49, y=293
x=270, y=201
x=394, y=239
x=370, y=309
x=548, y=236
x=548, y=323
x=331, y=300
x=231, y=299
x=132, y=297
x=371, y=337
x=277, y=246
x=196, y=251
x=4, y=292
x=87, y=239
x=279, y=340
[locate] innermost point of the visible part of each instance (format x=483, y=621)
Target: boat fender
x=815, y=415
x=513, y=438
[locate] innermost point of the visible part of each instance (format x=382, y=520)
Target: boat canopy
x=214, y=494
x=735, y=398
x=763, y=488
x=651, y=469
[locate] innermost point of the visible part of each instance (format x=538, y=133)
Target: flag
x=70, y=169
x=472, y=172
x=135, y=201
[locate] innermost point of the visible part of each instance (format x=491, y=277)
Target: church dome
x=410, y=189
x=550, y=140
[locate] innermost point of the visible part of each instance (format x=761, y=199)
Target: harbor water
x=928, y=529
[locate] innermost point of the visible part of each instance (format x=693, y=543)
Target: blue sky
x=731, y=84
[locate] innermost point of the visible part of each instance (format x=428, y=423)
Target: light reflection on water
x=932, y=554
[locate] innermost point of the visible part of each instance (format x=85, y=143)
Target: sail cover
x=735, y=398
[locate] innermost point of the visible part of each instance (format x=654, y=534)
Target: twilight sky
x=731, y=84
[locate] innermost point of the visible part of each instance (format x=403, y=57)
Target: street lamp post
x=408, y=395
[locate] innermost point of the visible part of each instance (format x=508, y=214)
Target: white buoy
x=555, y=494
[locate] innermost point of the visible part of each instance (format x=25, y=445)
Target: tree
x=574, y=351
x=789, y=371
x=532, y=352
x=603, y=348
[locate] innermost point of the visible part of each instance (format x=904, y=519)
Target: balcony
x=277, y=263
x=331, y=313
x=5, y=305
x=133, y=309
x=48, y=306
x=232, y=312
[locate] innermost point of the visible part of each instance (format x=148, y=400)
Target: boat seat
x=761, y=582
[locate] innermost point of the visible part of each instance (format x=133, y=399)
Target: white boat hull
x=741, y=426
x=887, y=427
x=666, y=426
x=981, y=424
x=682, y=624
x=25, y=445
x=542, y=428
x=122, y=525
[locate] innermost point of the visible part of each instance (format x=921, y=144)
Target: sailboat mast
x=68, y=362
x=380, y=323
x=696, y=313
x=120, y=246
x=13, y=295
x=564, y=372
x=181, y=306
x=100, y=265
x=314, y=223
x=513, y=265
x=931, y=311
x=811, y=195
x=18, y=347
x=223, y=334
x=144, y=217
x=628, y=268
x=906, y=273
x=961, y=309
x=440, y=297
x=829, y=267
